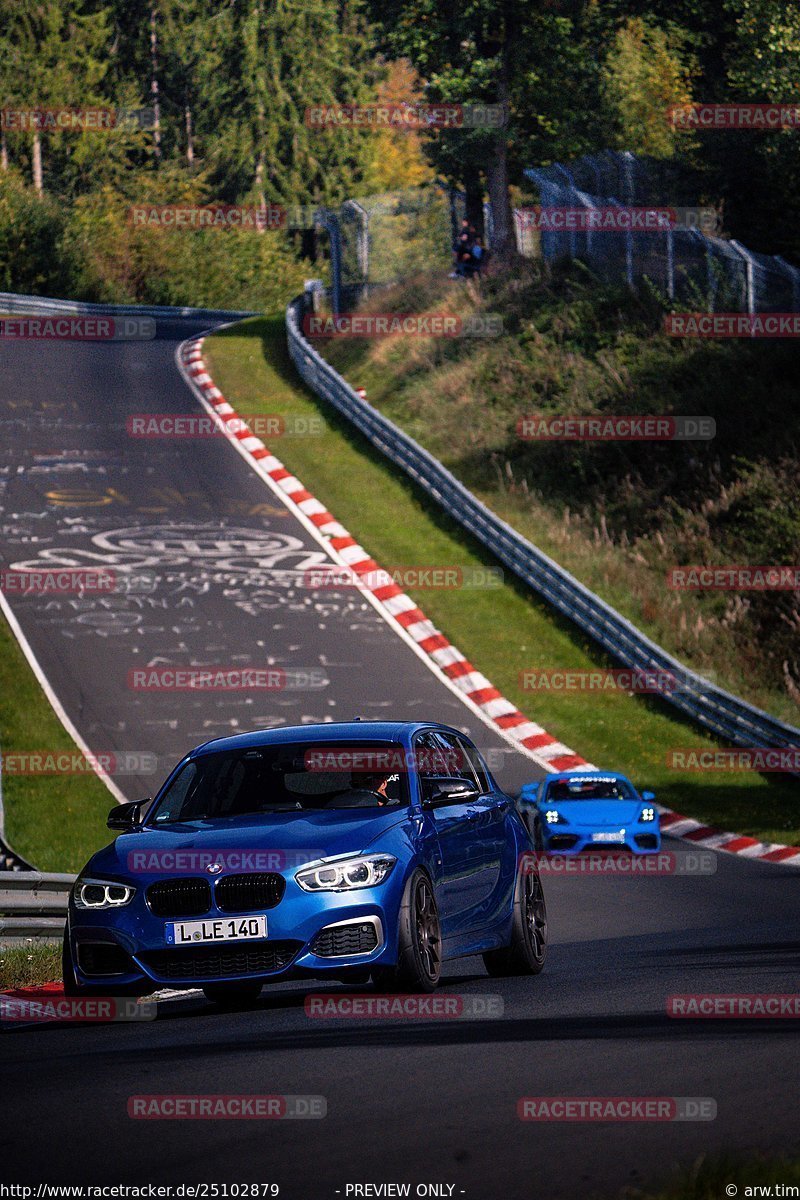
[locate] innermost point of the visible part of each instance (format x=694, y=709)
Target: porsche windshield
x=589, y=789
x=284, y=778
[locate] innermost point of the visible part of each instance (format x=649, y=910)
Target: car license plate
x=221, y=929
x=617, y=836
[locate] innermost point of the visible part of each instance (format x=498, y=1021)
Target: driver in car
x=368, y=788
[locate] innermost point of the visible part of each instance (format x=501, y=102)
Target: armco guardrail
x=718, y=711
x=11, y=302
x=33, y=904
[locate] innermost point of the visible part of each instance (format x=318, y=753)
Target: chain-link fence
x=378, y=240
x=375, y=241
x=681, y=260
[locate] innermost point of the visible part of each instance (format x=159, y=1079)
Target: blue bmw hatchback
x=344, y=851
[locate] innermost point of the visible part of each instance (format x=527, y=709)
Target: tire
x=526, y=952
x=231, y=996
x=419, y=941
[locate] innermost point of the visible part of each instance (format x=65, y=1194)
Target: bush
x=92, y=252
x=30, y=227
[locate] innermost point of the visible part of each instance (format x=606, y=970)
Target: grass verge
x=397, y=524
x=26, y=966
x=55, y=822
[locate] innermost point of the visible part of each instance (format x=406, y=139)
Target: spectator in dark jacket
x=463, y=257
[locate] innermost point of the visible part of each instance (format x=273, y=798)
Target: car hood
x=597, y=813
x=279, y=841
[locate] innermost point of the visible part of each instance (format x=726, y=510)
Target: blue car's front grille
x=562, y=841
x=249, y=893
x=179, y=898
x=338, y=942
x=220, y=962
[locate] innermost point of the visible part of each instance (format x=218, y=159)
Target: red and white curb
x=35, y=1005
x=699, y=834
x=408, y=619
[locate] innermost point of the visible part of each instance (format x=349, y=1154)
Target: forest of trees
x=229, y=82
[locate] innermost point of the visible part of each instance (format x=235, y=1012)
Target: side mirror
x=449, y=791
x=649, y=797
x=126, y=816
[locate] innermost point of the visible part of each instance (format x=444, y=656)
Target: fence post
x=628, y=248
x=629, y=162
x=710, y=280
x=749, y=275
x=488, y=223
x=330, y=222
x=362, y=238
x=571, y=191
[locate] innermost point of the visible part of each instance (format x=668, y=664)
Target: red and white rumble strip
x=690, y=830
x=401, y=611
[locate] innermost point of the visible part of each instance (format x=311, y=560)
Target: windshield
x=578, y=788
x=269, y=779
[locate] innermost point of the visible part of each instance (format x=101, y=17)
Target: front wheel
x=525, y=953
x=419, y=954
x=232, y=995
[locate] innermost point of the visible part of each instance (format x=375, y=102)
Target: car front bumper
x=308, y=934
x=638, y=839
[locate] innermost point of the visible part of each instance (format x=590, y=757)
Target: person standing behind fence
x=464, y=260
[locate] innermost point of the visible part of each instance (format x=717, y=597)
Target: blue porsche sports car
x=568, y=812
x=345, y=851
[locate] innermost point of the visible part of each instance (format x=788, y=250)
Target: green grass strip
x=55, y=822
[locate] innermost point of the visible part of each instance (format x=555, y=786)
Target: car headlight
x=345, y=874
x=101, y=893
x=552, y=817
x=648, y=814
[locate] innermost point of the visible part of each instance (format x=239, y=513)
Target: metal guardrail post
x=314, y=288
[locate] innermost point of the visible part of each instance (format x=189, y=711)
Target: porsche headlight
x=552, y=817
x=346, y=874
x=648, y=814
x=101, y=893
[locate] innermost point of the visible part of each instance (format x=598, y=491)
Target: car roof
x=360, y=731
